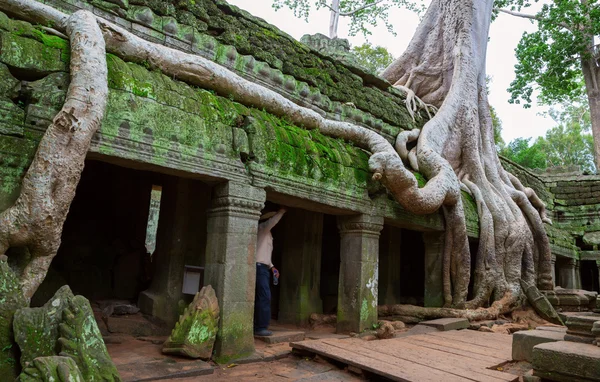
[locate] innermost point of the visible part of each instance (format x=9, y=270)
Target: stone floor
x=291, y=368
x=140, y=359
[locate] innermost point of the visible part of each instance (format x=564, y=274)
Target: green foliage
x=521, y=152
x=497, y=123
x=373, y=58
x=569, y=143
x=549, y=60
x=363, y=14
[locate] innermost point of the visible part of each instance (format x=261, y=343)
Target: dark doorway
x=103, y=254
x=589, y=276
x=412, y=268
x=330, y=264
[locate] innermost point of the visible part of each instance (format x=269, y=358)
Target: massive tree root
x=444, y=66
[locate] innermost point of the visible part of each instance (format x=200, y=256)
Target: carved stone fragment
x=195, y=333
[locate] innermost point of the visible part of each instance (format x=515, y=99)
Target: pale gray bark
x=445, y=66
x=36, y=219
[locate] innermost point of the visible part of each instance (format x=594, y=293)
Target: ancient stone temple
x=177, y=177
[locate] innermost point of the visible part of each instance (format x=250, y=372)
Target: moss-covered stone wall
x=157, y=120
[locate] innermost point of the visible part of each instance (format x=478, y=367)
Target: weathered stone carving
x=52, y=369
x=64, y=326
x=195, y=333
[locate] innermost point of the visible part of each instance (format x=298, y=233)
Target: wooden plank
x=478, y=338
x=434, y=359
x=454, y=344
x=500, y=345
x=380, y=364
x=489, y=360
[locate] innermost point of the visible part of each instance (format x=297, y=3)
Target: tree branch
x=530, y=17
x=350, y=13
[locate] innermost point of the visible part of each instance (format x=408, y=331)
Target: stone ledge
x=445, y=324
x=567, y=362
x=524, y=342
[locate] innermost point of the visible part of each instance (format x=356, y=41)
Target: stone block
x=280, y=336
x=579, y=327
x=195, y=333
x=566, y=361
x=524, y=341
x=561, y=329
x=445, y=324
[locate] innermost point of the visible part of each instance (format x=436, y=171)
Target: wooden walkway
x=463, y=355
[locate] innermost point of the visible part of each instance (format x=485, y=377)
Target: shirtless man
x=264, y=267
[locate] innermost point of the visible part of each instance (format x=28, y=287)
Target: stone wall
x=166, y=125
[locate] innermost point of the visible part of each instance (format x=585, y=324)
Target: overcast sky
x=505, y=34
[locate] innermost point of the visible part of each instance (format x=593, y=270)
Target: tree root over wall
x=444, y=66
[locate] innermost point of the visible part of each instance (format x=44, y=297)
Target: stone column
x=598, y=300
x=389, y=265
x=231, y=264
x=359, y=252
x=434, y=288
x=567, y=274
x=553, y=264
x=300, y=293
x=577, y=274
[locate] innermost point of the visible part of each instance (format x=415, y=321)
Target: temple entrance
x=103, y=254
x=401, y=266
x=306, y=251
x=131, y=232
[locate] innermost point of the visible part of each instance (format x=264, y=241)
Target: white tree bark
x=334, y=19
x=36, y=219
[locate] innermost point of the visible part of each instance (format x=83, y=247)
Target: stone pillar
x=434, y=288
x=231, y=264
x=300, y=293
x=389, y=265
x=359, y=252
x=598, y=299
x=567, y=276
x=553, y=264
x=161, y=300
x=577, y=274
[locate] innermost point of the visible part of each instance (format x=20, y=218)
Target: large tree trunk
x=334, y=19
x=36, y=219
x=591, y=75
x=445, y=65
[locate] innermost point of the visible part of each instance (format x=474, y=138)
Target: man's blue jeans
x=262, y=298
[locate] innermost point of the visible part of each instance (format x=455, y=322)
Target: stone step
x=524, y=341
x=280, y=336
x=325, y=335
x=445, y=324
x=567, y=361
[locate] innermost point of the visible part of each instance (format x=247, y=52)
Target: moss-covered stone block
x=16, y=155
x=11, y=299
x=195, y=333
x=52, y=369
x=28, y=54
